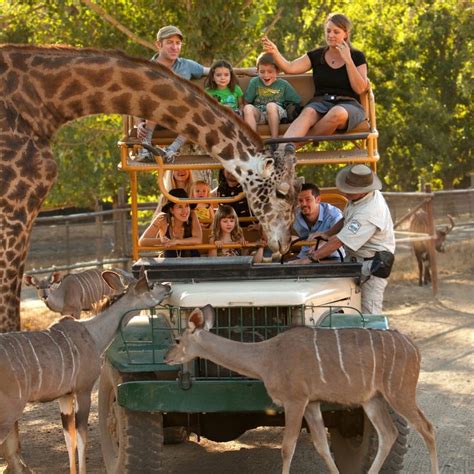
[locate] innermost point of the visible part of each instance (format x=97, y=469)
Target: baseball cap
x=168, y=31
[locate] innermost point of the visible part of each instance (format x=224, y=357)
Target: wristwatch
x=314, y=260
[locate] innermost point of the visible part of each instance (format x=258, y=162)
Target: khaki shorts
x=262, y=118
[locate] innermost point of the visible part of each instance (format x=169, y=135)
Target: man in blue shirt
x=169, y=40
x=312, y=215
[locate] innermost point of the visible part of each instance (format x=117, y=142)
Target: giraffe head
x=271, y=190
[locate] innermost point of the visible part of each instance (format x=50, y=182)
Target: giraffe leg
x=66, y=405
x=10, y=451
x=386, y=431
x=293, y=416
x=314, y=418
x=83, y=401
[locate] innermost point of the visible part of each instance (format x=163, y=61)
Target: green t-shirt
x=227, y=97
x=280, y=92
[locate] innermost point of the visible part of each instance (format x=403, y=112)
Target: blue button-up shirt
x=328, y=216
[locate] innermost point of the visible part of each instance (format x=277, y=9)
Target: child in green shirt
x=222, y=84
x=267, y=95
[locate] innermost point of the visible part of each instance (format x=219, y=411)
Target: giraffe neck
x=41, y=88
x=52, y=86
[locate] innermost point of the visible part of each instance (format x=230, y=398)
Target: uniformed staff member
x=366, y=231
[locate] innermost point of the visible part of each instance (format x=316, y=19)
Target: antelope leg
x=387, y=432
x=66, y=405
x=314, y=418
x=83, y=401
x=294, y=411
x=10, y=451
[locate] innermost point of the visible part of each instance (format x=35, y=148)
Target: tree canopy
x=419, y=56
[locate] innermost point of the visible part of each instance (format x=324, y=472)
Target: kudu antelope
x=303, y=367
x=63, y=362
x=420, y=224
x=82, y=291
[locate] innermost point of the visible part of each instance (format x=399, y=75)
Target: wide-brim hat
x=177, y=193
x=356, y=179
x=168, y=31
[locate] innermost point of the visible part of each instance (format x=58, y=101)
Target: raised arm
x=357, y=74
x=298, y=66
x=154, y=232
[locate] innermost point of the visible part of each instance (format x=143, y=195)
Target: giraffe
x=43, y=87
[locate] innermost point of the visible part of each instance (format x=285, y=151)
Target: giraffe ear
x=266, y=167
x=283, y=188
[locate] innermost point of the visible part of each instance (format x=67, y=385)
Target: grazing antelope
x=63, y=362
x=303, y=367
x=82, y=291
x=420, y=224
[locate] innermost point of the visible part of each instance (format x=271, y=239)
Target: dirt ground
x=442, y=327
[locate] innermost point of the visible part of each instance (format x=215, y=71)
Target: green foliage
x=420, y=65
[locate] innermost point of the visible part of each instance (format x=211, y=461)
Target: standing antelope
x=76, y=292
x=420, y=224
x=303, y=367
x=63, y=362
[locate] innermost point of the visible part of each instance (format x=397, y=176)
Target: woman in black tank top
x=340, y=76
x=177, y=224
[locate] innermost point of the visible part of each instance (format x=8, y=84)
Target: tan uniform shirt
x=368, y=226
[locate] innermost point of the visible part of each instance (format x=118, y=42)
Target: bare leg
x=300, y=126
x=10, y=451
x=83, y=401
x=66, y=405
x=335, y=119
x=386, y=431
x=293, y=416
x=251, y=115
x=315, y=422
x=273, y=119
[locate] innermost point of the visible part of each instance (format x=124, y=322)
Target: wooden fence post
x=99, y=240
x=431, y=243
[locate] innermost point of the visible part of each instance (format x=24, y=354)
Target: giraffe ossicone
x=42, y=88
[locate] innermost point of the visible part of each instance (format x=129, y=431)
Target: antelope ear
x=266, y=167
x=29, y=280
x=208, y=312
x=113, y=280
x=196, y=320
x=55, y=277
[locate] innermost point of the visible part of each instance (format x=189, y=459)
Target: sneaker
x=144, y=156
x=169, y=156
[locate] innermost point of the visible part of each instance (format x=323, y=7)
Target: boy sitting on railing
x=267, y=96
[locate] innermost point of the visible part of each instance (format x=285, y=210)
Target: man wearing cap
x=366, y=231
x=169, y=40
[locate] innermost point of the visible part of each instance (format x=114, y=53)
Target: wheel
x=355, y=454
x=131, y=441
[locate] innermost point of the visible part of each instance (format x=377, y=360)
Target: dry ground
x=443, y=328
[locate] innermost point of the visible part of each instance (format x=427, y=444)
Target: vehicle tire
x=131, y=441
x=355, y=454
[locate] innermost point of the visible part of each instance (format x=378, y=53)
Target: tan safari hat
x=356, y=179
x=168, y=31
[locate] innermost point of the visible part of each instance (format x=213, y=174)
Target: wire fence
x=103, y=238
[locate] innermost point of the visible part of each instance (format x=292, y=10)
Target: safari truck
x=143, y=402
